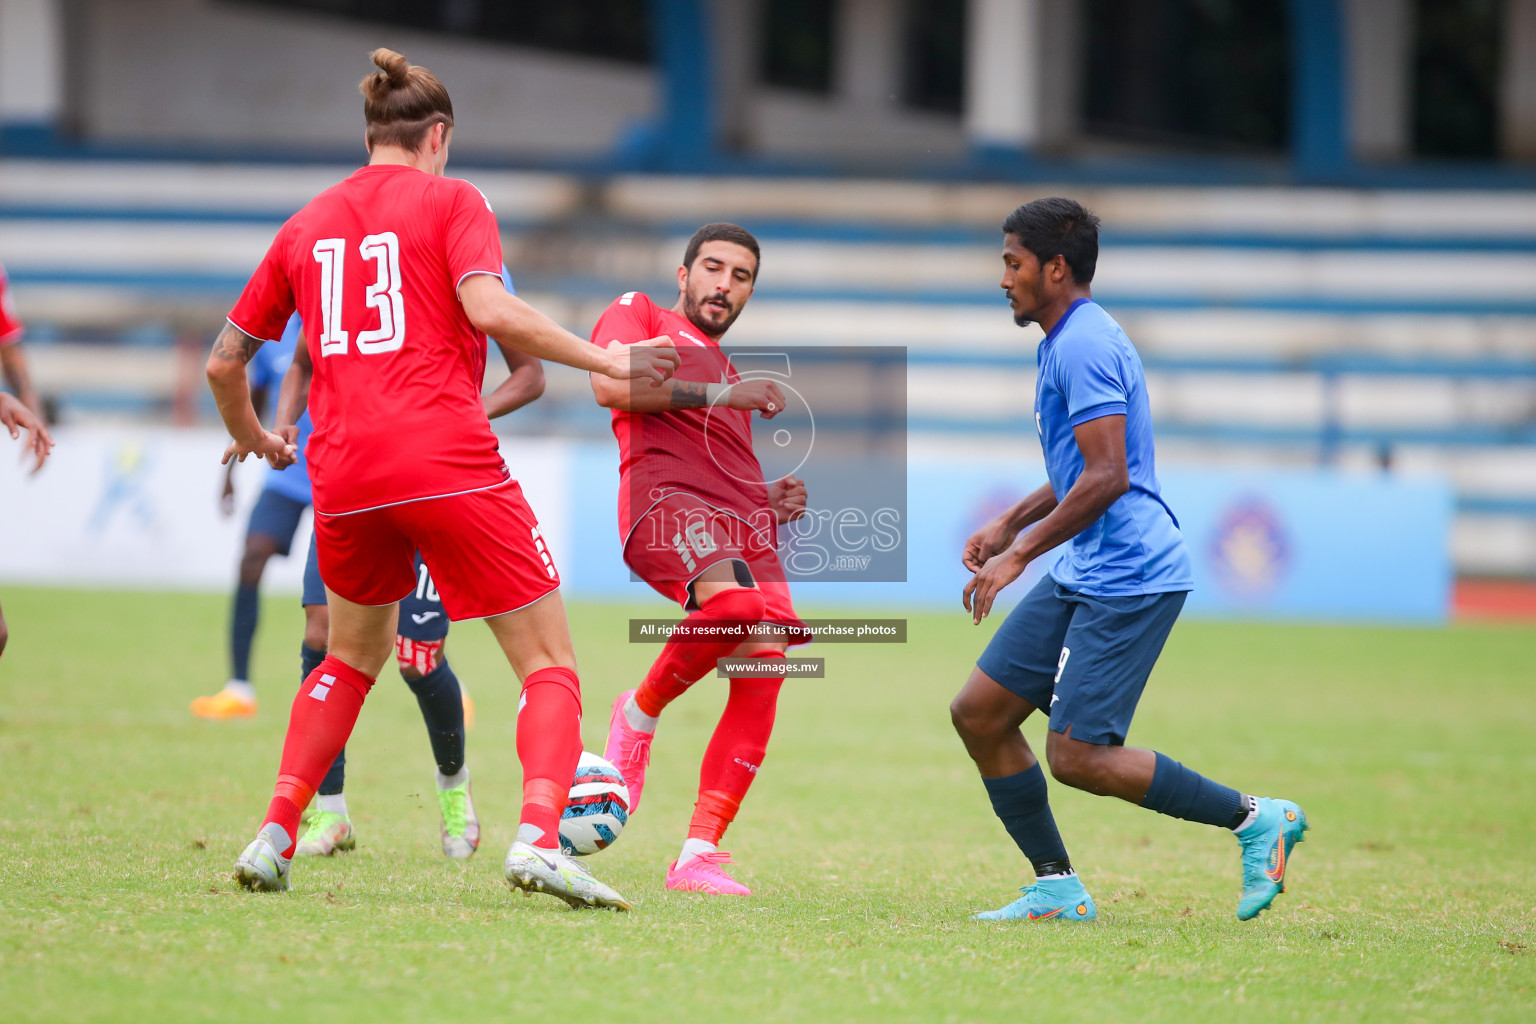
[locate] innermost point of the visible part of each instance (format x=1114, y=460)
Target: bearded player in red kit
x=396, y=272
x=699, y=524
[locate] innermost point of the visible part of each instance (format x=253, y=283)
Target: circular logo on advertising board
x=1251, y=548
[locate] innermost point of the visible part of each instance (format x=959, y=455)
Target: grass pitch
x=868, y=840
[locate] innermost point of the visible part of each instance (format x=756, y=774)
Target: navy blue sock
x=1021, y=802
x=1181, y=793
x=242, y=630
x=309, y=660
x=442, y=708
x=336, y=779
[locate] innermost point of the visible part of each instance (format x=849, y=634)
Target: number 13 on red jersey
x=383, y=294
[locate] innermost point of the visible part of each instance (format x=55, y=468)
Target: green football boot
x=461, y=828
x=326, y=833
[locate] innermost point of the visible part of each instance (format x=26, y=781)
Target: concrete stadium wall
x=173, y=71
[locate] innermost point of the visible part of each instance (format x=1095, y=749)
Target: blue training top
x=267, y=369
x=1088, y=370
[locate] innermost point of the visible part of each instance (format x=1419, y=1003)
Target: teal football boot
x=1267, y=843
x=1055, y=899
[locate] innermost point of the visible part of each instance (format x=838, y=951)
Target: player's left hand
x=1001, y=569
x=272, y=447
x=787, y=498
x=16, y=417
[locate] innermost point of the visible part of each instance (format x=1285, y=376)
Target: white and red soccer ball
x=598, y=809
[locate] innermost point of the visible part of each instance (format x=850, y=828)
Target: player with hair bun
x=396, y=272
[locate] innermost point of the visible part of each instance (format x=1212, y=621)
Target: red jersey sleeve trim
x=471, y=273
x=13, y=336
x=248, y=334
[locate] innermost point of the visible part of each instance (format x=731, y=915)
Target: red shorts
x=681, y=536
x=483, y=549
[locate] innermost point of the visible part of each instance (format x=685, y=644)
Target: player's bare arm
x=524, y=384
x=13, y=364
x=764, y=396
x=232, y=393
x=227, y=495
x=17, y=417
x=1000, y=532
x=513, y=322
x=1104, y=479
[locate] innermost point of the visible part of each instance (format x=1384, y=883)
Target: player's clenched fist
x=995, y=536
x=762, y=395
x=787, y=498
x=655, y=359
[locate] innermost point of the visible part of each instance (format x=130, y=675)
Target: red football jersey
x=10, y=325
x=373, y=267
x=707, y=452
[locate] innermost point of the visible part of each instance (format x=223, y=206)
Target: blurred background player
x=1083, y=641
x=16, y=417
x=420, y=648
x=23, y=410
x=701, y=535
x=274, y=520
x=13, y=358
x=403, y=459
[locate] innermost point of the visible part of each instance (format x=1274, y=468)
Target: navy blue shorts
x=1084, y=660
x=421, y=613
x=276, y=516
x=314, y=588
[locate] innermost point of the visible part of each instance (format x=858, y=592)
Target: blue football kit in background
x=1082, y=643
x=1088, y=369
x=267, y=368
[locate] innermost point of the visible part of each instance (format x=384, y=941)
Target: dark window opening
x=613, y=29
x=935, y=51
x=1202, y=73
x=797, y=43
x=1456, y=78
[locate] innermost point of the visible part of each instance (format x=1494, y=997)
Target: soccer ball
x=598, y=809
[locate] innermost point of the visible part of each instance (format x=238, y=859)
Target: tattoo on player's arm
x=235, y=345
x=688, y=394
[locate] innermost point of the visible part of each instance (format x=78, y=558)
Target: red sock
x=324, y=712
x=735, y=752
x=548, y=745
x=684, y=662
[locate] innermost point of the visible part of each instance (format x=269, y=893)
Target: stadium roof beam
x=688, y=123
x=736, y=28
x=1319, y=122
x=1380, y=45
x=1021, y=73
x=1518, y=86
x=868, y=54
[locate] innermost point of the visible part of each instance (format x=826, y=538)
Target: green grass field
x=868, y=841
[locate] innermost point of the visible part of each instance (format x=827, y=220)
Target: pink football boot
x=628, y=750
x=705, y=873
